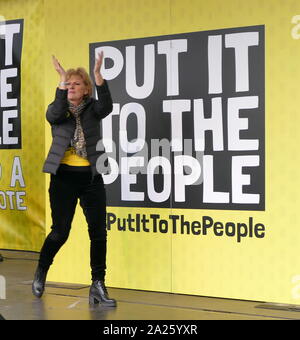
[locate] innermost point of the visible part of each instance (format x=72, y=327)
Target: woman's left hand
x=98, y=63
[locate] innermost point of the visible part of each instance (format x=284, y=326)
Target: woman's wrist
x=63, y=83
x=98, y=79
x=62, y=86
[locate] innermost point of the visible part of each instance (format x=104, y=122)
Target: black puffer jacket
x=63, y=126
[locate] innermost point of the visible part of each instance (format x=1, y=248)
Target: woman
x=74, y=117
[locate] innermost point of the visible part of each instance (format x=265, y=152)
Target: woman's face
x=76, y=89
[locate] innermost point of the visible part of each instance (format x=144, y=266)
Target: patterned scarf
x=78, y=140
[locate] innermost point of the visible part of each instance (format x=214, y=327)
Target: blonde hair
x=81, y=72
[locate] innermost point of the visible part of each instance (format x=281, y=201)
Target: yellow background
x=256, y=269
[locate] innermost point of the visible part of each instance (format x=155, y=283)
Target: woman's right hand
x=59, y=69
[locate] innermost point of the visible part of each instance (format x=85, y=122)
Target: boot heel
x=98, y=294
x=93, y=300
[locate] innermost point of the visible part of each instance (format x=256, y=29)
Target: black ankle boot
x=98, y=293
x=38, y=284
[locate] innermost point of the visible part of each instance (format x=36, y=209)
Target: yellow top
x=70, y=158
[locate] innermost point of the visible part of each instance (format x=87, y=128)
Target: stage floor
x=70, y=302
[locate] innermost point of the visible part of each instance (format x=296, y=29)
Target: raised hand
x=59, y=69
x=98, y=63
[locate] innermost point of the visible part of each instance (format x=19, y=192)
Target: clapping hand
x=59, y=69
x=98, y=63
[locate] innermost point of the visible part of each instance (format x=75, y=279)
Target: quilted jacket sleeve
x=103, y=105
x=57, y=111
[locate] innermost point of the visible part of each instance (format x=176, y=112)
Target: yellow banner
x=22, y=187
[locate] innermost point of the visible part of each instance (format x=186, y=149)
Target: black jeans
x=66, y=187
